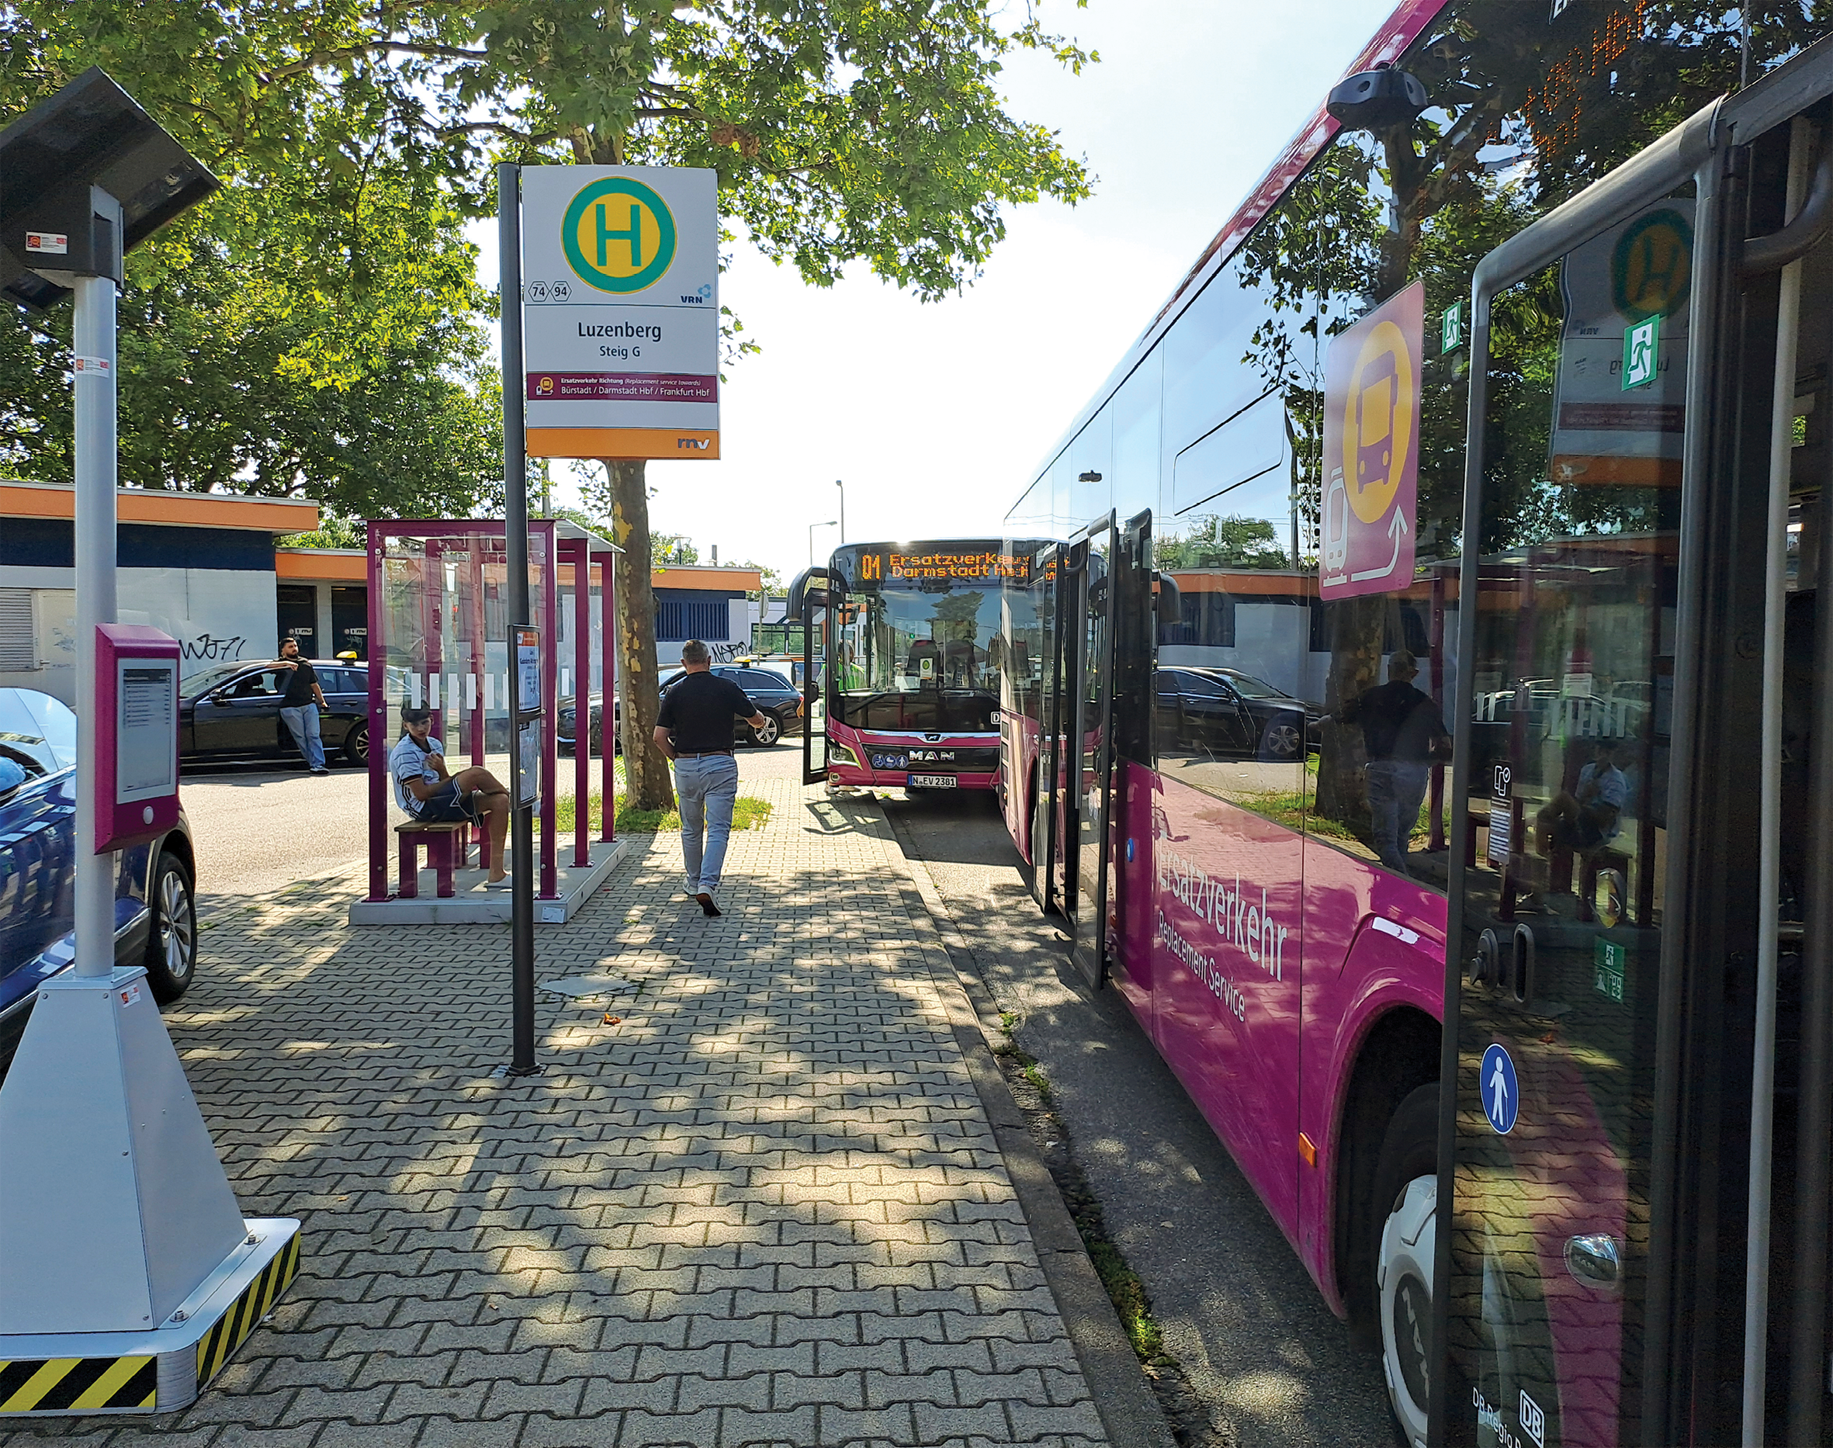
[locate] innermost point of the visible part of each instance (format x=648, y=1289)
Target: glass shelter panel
x=445, y=618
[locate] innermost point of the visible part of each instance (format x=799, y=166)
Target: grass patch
x=1122, y=1283
x=1297, y=811
x=748, y=813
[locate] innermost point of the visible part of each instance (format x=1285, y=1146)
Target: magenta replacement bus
x=1424, y=719
x=902, y=661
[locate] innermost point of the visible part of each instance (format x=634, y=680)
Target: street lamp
x=811, y=538
x=842, y=486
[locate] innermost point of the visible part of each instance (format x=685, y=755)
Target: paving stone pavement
x=766, y=1207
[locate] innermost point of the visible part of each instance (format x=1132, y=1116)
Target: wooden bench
x=448, y=845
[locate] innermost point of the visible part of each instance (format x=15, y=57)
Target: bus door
x=817, y=665
x=1053, y=571
x=1059, y=758
x=1631, y=1229
x=1089, y=787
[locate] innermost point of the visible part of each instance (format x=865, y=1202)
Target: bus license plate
x=932, y=781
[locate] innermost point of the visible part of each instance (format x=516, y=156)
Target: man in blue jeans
x=300, y=705
x=695, y=730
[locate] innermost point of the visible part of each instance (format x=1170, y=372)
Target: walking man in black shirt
x=300, y=704
x=1403, y=732
x=695, y=730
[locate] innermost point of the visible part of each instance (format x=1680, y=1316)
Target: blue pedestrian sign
x=1497, y=1085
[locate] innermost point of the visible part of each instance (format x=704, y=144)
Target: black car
x=566, y=725
x=1229, y=713
x=232, y=711
x=155, y=917
x=779, y=701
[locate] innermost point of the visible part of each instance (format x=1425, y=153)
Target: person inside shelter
x=1589, y=816
x=432, y=794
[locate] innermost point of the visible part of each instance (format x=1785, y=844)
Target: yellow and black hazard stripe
x=77, y=1385
x=257, y=1299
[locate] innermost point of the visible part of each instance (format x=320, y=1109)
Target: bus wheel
x=1406, y=1186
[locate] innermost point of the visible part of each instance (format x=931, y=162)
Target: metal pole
x=582, y=700
x=515, y=515
x=1769, y=867
x=842, y=486
x=93, y=341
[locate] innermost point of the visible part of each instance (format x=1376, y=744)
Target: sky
x=936, y=417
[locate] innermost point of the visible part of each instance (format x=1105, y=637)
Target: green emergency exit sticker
x=1451, y=328
x=1608, y=973
x=1641, y=347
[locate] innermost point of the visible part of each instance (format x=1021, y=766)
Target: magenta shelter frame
x=576, y=550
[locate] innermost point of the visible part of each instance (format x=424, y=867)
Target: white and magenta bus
x=905, y=691
x=1482, y=455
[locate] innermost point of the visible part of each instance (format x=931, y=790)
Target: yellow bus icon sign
x=618, y=235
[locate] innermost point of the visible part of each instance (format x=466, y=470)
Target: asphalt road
x=259, y=827
x=1239, y=1312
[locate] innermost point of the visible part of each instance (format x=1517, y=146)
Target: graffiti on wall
x=210, y=649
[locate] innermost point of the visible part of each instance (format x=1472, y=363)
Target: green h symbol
x=634, y=235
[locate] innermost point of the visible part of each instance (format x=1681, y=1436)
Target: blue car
x=155, y=913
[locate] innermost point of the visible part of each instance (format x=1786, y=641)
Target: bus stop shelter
x=439, y=640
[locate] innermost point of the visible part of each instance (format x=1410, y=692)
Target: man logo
x=618, y=235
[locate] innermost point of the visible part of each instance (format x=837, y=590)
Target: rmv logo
x=618, y=235
x=702, y=443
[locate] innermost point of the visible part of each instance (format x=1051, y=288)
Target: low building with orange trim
x=705, y=602
x=201, y=566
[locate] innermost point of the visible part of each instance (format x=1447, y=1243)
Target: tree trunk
x=648, y=785
x=1357, y=627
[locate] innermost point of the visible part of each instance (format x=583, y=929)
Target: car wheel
x=1406, y=1193
x=171, y=945
x=1282, y=740
x=769, y=731
x=356, y=744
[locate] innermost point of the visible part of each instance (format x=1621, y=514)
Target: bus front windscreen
x=920, y=658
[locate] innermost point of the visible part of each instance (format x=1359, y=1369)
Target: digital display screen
x=146, y=730
x=890, y=567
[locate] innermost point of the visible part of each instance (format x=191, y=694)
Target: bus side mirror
x=1167, y=601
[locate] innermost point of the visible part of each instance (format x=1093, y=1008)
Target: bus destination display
x=885, y=566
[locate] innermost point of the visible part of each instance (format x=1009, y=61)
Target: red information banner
x=1372, y=377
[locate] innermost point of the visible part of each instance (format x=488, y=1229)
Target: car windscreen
x=1249, y=687
x=36, y=727
x=205, y=680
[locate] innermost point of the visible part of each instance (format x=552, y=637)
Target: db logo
x=618, y=235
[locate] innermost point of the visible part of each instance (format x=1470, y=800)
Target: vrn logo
x=699, y=298
x=700, y=443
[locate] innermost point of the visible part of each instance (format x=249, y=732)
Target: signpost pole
x=515, y=513
x=93, y=336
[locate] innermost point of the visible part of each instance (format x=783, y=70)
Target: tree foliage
x=841, y=130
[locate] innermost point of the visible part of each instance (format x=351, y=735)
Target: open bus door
x=1075, y=755
x=1629, y=1218
x=1051, y=570
x=810, y=605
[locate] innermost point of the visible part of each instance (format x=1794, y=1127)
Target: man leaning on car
x=300, y=705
